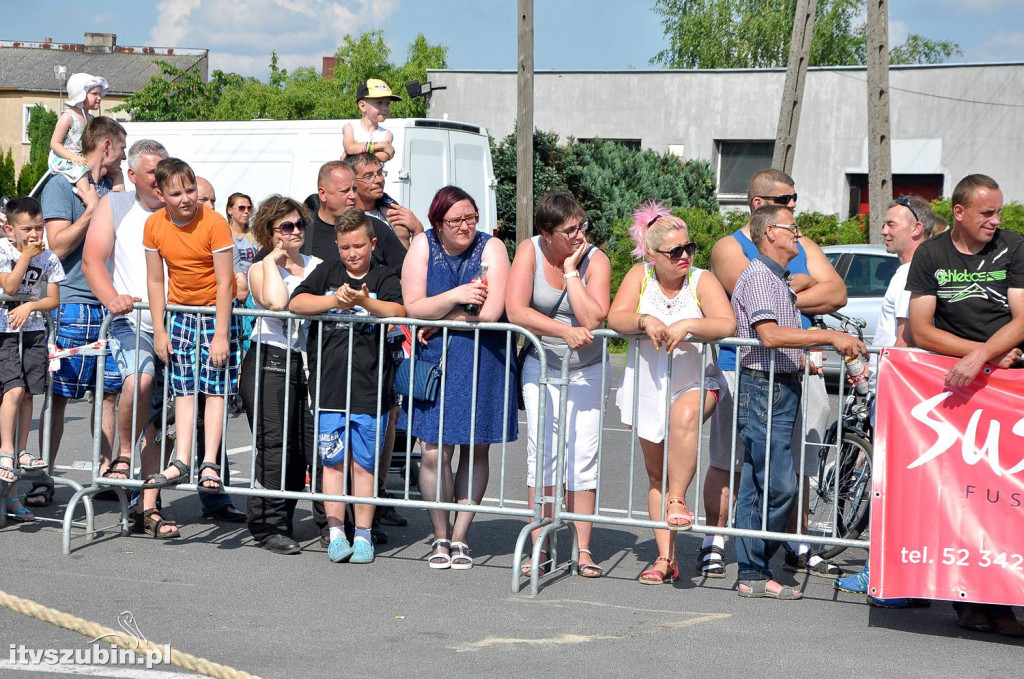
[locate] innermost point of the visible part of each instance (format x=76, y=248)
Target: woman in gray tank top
x=558, y=288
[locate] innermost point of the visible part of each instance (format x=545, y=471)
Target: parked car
x=867, y=270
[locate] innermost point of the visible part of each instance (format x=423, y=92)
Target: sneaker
x=362, y=552
x=800, y=563
x=855, y=583
x=339, y=550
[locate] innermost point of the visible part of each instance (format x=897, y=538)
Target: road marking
x=94, y=671
x=693, y=618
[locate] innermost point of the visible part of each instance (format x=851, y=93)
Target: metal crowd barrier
x=45, y=433
x=499, y=506
x=821, y=531
x=562, y=519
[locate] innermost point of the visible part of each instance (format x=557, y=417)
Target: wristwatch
x=571, y=274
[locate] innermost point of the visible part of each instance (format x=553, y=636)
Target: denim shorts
x=132, y=359
x=191, y=335
x=79, y=324
x=364, y=432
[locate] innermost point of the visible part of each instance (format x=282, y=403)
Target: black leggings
x=270, y=516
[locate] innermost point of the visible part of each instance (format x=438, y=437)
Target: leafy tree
x=746, y=34
x=299, y=95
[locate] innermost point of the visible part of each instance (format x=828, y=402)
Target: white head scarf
x=79, y=85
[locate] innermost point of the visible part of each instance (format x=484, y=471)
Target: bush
x=8, y=185
x=609, y=179
x=42, y=122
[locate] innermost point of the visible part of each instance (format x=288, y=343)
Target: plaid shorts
x=192, y=333
x=79, y=324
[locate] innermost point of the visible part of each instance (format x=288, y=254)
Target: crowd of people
x=320, y=396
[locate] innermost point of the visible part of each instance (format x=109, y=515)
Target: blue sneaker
x=362, y=552
x=339, y=550
x=855, y=583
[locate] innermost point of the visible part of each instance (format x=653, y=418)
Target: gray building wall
x=950, y=120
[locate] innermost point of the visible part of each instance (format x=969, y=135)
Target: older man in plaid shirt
x=765, y=307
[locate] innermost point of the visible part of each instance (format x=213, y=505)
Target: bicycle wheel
x=844, y=505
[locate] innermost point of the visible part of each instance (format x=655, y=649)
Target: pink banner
x=947, y=519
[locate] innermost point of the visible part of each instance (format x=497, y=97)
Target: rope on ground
x=94, y=630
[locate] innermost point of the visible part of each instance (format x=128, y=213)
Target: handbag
x=524, y=351
x=425, y=379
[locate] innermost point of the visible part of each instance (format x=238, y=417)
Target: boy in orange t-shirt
x=195, y=245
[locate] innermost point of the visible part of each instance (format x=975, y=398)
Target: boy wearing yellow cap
x=374, y=99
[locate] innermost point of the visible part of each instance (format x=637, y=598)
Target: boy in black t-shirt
x=353, y=286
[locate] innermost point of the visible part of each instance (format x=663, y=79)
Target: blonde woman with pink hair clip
x=675, y=304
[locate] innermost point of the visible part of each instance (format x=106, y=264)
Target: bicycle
x=841, y=491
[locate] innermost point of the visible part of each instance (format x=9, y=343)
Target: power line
x=930, y=94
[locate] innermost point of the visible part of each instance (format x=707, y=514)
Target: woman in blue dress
x=440, y=279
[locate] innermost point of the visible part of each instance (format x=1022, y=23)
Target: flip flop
x=21, y=514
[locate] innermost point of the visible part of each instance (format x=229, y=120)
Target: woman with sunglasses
x=279, y=227
x=674, y=304
x=558, y=288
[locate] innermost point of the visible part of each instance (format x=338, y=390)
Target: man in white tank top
x=114, y=265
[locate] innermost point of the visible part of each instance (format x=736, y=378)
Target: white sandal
x=437, y=559
x=461, y=560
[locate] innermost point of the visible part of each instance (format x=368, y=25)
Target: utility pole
x=524, y=124
x=879, y=149
x=793, y=92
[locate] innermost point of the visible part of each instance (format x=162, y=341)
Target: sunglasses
x=905, y=202
x=795, y=228
x=288, y=228
x=676, y=253
x=784, y=199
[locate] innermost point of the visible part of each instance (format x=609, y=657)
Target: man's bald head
x=207, y=196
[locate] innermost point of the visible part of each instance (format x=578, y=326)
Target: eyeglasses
x=676, y=253
x=288, y=228
x=467, y=220
x=370, y=177
x=784, y=199
x=573, y=230
x=795, y=228
x=243, y=208
x=905, y=202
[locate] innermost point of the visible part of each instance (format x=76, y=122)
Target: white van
x=262, y=157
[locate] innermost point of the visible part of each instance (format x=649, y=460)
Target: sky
x=480, y=34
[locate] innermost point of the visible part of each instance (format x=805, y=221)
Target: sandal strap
x=676, y=501
x=442, y=542
x=665, y=559
x=181, y=467
x=585, y=551
x=711, y=549
x=210, y=465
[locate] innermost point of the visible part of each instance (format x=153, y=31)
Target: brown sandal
x=683, y=520
x=152, y=526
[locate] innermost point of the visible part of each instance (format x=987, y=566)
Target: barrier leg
x=517, y=555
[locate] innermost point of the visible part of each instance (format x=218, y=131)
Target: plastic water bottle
x=474, y=309
x=857, y=371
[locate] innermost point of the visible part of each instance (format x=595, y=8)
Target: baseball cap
x=375, y=89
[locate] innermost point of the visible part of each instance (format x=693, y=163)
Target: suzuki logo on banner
x=948, y=493
x=948, y=435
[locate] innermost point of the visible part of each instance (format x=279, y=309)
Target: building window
x=737, y=163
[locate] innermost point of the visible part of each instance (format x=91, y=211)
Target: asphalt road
x=215, y=595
